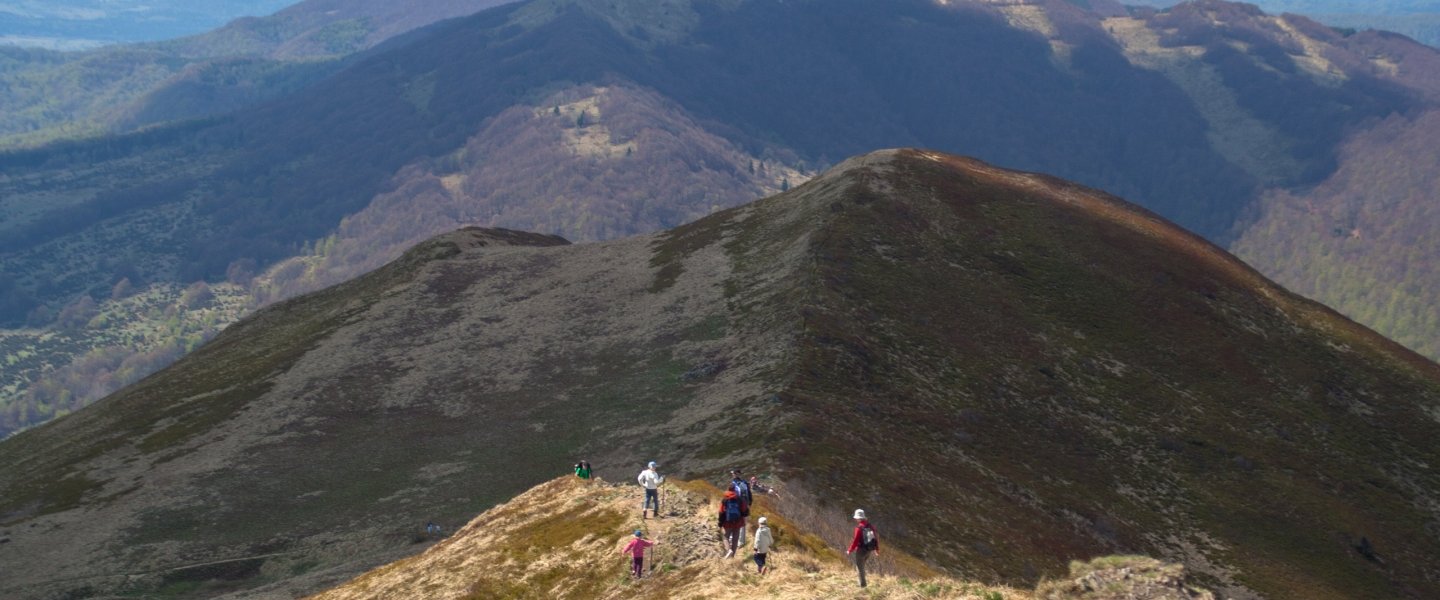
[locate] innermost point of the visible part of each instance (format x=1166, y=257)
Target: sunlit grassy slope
x=560, y=540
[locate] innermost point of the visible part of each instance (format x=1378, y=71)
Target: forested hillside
x=1419, y=19
x=63, y=95
x=1365, y=240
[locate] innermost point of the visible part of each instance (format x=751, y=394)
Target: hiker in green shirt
x=582, y=469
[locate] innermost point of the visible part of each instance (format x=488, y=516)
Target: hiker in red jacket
x=636, y=549
x=864, y=543
x=733, y=511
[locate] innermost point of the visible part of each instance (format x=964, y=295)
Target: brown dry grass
x=562, y=540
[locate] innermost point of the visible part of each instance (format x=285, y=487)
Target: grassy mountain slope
x=1164, y=109
x=560, y=539
x=1017, y=371
x=632, y=162
x=1189, y=427
x=587, y=163
x=1204, y=113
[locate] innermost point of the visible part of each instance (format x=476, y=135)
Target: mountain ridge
x=256, y=195
x=555, y=540
x=953, y=309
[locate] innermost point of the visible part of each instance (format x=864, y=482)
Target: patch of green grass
x=665, y=277
x=64, y=493
x=710, y=328
x=192, y=421
x=672, y=247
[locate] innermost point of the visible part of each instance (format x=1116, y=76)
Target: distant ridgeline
x=78, y=24
x=1419, y=19
x=1285, y=140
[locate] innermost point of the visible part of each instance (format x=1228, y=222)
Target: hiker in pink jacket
x=636, y=548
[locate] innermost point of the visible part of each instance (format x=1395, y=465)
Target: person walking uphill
x=651, y=480
x=733, y=511
x=636, y=549
x=864, y=543
x=582, y=469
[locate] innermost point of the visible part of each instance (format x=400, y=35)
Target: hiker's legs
x=860, y=557
x=651, y=496
x=760, y=563
x=636, y=566
x=732, y=541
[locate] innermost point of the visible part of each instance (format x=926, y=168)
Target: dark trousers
x=649, y=496
x=637, y=566
x=861, y=556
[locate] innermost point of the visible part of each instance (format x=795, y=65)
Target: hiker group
x=734, y=511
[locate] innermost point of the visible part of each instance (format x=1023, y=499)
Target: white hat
x=859, y=513
x=652, y=464
x=762, y=520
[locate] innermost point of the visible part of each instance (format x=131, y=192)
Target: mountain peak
x=1015, y=370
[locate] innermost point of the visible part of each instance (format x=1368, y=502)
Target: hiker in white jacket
x=763, y=541
x=650, y=479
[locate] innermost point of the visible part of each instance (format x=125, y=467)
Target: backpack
x=868, y=540
x=732, y=510
x=742, y=489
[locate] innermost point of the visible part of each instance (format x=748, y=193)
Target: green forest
x=1363, y=241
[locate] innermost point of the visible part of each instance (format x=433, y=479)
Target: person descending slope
x=864, y=543
x=733, y=511
x=636, y=549
x=651, y=480
x=582, y=469
x=763, y=541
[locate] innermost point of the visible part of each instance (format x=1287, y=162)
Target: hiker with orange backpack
x=733, y=511
x=864, y=543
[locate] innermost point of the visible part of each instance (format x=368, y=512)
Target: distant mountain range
x=1419, y=19
x=596, y=120
x=64, y=95
x=80, y=24
x=1014, y=370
